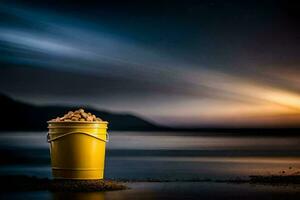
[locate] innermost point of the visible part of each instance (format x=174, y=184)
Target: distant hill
x=19, y=116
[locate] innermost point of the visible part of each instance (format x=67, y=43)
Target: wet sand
x=205, y=190
x=172, y=190
x=19, y=183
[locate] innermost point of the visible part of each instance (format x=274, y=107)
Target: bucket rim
x=78, y=122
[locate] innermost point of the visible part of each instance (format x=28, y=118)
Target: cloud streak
x=139, y=78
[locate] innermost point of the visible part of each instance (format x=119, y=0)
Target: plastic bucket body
x=77, y=149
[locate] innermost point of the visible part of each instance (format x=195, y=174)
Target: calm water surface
x=146, y=155
x=166, y=156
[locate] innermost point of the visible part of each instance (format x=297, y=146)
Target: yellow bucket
x=77, y=149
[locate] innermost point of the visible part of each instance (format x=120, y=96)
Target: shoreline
x=253, y=179
x=31, y=183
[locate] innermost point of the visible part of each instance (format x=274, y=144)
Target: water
x=166, y=156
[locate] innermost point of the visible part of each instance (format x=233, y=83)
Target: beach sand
x=259, y=188
x=172, y=190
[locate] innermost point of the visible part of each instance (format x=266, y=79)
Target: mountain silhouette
x=20, y=116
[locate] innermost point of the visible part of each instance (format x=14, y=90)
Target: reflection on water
x=180, y=141
x=162, y=156
x=155, y=141
x=197, y=168
x=146, y=155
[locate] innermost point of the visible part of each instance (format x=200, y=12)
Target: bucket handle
x=76, y=132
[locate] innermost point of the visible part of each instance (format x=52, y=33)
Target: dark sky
x=175, y=62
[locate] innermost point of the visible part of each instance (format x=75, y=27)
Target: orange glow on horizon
x=236, y=101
